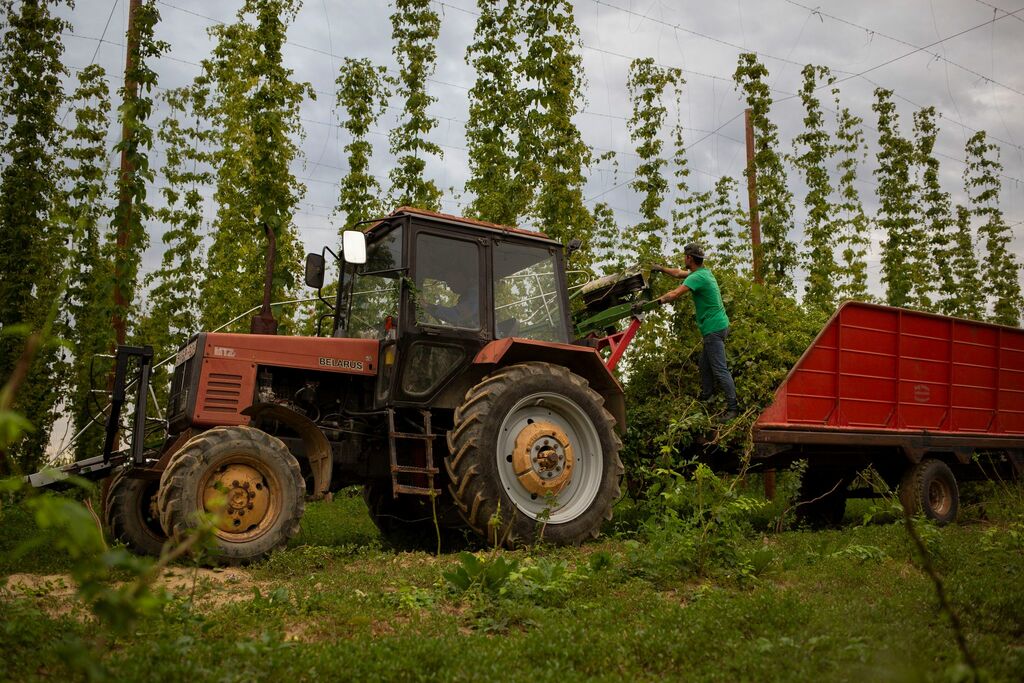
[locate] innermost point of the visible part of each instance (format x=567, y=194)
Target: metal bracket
x=124, y=354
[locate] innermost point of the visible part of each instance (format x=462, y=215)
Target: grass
x=847, y=604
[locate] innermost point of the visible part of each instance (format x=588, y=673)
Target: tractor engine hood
x=215, y=373
x=331, y=354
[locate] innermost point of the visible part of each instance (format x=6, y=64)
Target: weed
x=547, y=582
x=758, y=561
x=488, y=575
x=1009, y=538
x=861, y=553
x=302, y=560
x=413, y=599
x=698, y=526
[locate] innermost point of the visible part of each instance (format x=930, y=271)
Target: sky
x=970, y=70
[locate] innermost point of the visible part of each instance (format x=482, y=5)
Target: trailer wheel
x=930, y=487
x=407, y=522
x=534, y=455
x=822, y=498
x=247, y=479
x=131, y=514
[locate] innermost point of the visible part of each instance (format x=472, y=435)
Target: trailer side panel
x=888, y=369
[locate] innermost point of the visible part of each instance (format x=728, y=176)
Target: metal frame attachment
x=144, y=355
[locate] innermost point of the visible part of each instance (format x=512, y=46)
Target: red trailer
x=914, y=394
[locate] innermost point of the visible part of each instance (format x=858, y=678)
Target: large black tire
x=821, y=501
x=131, y=514
x=930, y=487
x=407, y=522
x=247, y=479
x=533, y=455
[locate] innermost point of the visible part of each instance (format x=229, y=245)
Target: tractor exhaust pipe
x=264, y=322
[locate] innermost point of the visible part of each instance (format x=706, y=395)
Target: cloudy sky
x=970, y=69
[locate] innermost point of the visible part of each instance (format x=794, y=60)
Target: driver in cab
x=466, y=310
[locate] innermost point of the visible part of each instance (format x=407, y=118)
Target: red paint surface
x=583, y=360
x=460, y=219
x=496, y=350
x=619, y=342
x=882, y=368
x=228, y=380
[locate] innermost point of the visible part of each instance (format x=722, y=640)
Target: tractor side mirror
x=315, y=270
x=353, y=247
x=574, y=246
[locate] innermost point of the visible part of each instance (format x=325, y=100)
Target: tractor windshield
x=376, y=287
x=526, y=296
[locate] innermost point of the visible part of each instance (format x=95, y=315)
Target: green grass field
x=847, y=604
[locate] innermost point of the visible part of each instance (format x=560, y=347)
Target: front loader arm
x=607, y=302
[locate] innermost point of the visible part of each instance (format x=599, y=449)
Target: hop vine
x=1000, y=271
x=812, y=151
x=415, y=27
x=363, y=91
x=647, y=83
x=774, y=199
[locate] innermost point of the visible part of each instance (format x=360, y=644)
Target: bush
x=666, y=421
x=698, y=526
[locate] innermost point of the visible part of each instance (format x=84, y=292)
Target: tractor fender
x=582, y=360
x=318, y=451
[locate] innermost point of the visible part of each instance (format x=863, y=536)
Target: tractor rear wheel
x=930, y=487
x=533, y=455
x=130, y=512
x=244, y=477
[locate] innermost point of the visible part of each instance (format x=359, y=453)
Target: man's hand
x=642, y=306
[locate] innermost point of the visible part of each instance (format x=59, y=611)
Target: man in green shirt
x=711, y=320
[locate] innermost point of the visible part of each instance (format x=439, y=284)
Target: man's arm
x=677, y=273
x=669, y=297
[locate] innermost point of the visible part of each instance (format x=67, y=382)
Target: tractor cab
x=435, y=290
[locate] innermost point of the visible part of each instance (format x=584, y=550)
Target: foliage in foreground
x=837, y=605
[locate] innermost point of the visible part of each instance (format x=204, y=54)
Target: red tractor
x=452, y=385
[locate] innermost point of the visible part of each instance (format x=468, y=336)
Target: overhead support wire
x=815, y=11
x=846, y=75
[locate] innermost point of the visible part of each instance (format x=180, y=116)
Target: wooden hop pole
x=755, y=243
x=124, y=196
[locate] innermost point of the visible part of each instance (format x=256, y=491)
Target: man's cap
x=693, y=249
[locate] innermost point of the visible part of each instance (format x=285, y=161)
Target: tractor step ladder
x=427, y=437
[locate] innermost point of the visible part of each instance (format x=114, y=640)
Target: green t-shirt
x=707, y=298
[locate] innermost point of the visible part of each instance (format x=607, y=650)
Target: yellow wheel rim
x=543, y=458
x=243, y=496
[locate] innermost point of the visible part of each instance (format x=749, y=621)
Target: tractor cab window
x=527, y=302
x=447, y=282
x=376, y=287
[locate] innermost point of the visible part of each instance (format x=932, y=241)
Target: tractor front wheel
x=533, y=455
x=131, y=514
x=246, y=480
